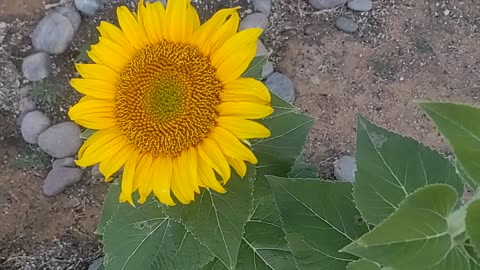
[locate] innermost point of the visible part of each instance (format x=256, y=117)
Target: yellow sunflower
x=167, y=99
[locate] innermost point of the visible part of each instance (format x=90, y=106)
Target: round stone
x=26, y=105
x=263, y=6
x=261, y=49
x=345, y=168
x=345, y=24
x=53, y=34
x=36, y=66
x=360, y=5
x=64, y=162
x=88, y=7
x=254, y=20
x=33, y=124
x=72, y=15
x=327, y=4
x=61, y=140
x=282, y=86
x=59, y=178
x=267, y=69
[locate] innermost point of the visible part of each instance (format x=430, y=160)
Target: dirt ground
x=404, y=50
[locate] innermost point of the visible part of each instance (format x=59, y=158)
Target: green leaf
x=145, y=238
x=87, y=133
x=390, y=167
x=363, y=265
x=215, y=264
x=416, y=235
x=473, y=224
x=302, y=169
x=110, y=205
x=460, y=125
x=255, y=68
x=319, y=218
x=264, y=247
x=217, y=220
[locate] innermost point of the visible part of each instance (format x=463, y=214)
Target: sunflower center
x=167, y=98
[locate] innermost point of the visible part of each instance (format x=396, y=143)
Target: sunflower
x=168, y=103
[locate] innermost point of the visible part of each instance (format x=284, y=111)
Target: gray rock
x=59, y=178
x=72, y=15
x=53, y=34
x=282, y=86
x=345, y=24
x=164, y=2
x=26, y=105
x=96, y=264
x=254, y=20
x=263, y=6
x=267, y=69
x=33, y=124
x=345, y=168
x=261, y=50
x=68, y=162
x=95, y=171
x=360, y=5
x=327, y=4
x=89, y=7
x=61, y=140
x=36, y=66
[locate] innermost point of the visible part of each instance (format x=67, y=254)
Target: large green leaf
x=460, y=124
x=319, y=218
x=363, y=265
x=110, y=205
x=473, y=224
x=416, y=236
x=143, y=237
x=215, y=264
x=217, y=220
x=302, y=169
x=390, y=167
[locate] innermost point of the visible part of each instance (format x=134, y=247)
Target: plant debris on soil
x=403, y=51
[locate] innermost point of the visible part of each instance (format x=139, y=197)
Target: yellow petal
x=188, y=164
x=231, y=146
x=160, y=26
x=95, y=88
x=111, y=165
x=162, y=177
x=150, y=23
x=102, y=144
x=176, y=20
x=244, y=109
x=203, y=37
x=225, y=32
x=98, y=72
x=133, y=31
x=127, y=179
x=207, y=176
x=193, y=17
x=94, y=114
x=246, y=89
x=242, y=128
x=238, y=165
x=210, y=152
x=116, y=35
x=109, y=54
x=141, y=180
x=233, y=58
x=181, y=188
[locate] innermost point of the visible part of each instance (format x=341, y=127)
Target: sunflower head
x=167, y=99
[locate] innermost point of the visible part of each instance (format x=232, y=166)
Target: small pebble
x=261, y=50
x=59, y=178
x=33, y=124
x=446, y=12
x=88, y=7
x=263, y=6
x=282, y=86
x=255, y=20
x=360, y=5
x=345, y=168
x=96, y=264
x=65, y=162
x=61, y=140
x=164, y=2
x=53, y=34
x=95, y=171
x=327, y=4
x=72, y=15
x=26, y=105
x=267, y=69
x=345, y=24
x=36, y=66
